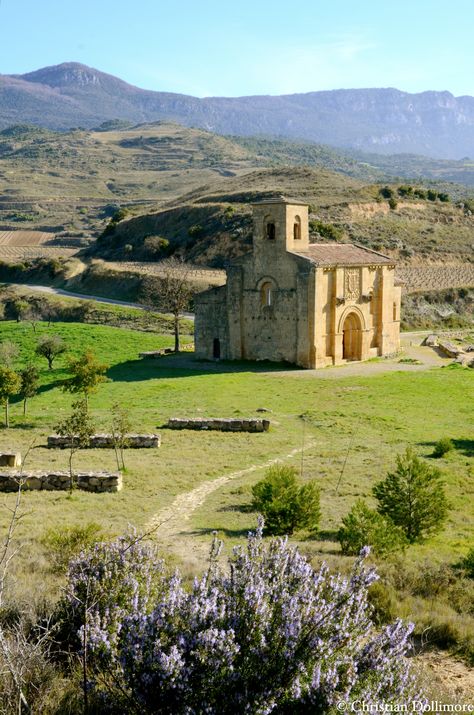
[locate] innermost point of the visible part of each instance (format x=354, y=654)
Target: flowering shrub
x=266, y=635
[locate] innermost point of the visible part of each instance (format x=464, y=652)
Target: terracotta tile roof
x=343, y=254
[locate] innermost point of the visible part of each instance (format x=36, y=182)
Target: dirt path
x=171, y=521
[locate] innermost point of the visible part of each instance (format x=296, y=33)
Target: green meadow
x=348, y=431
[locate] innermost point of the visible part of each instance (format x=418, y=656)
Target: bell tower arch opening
x=352, y=337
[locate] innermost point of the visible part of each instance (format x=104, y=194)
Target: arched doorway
x=352, y=338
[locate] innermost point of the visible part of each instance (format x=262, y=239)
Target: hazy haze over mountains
x=385, y=121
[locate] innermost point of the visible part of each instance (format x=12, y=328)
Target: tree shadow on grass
x=229, y=533
x=184, y=365
x=242, y=508
x=465, y=446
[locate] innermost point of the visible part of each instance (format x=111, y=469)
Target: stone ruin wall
x=61, y=481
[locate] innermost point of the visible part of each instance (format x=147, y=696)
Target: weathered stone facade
x=308, y=304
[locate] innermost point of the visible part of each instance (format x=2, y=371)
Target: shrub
x=386, y=192
x=195, y=231
x=284, y=505
x=265, y=634
x=66, y=543
x=413, y=497
x=442, y=447
x=366, y=527
x=326, y=230
x=431, y=195
x=393, y=204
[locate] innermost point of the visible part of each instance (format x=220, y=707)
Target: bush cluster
x=284, y=505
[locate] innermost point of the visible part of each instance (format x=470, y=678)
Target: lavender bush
x=268, y=634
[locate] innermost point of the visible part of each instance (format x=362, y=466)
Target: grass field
x=366, y=418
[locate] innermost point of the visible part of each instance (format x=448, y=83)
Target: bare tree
x=121, y=425
x=170, y=292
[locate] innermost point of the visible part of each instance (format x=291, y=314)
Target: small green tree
x=284, y=505
x=120, y=427
x=442, y=447
x=413, y=497
x=9, y=386
x=29, y=378
x=8, y=353
x=49, y=347
x=87, y=374
x=363, y=526
x=67, y=542
x=78, y=429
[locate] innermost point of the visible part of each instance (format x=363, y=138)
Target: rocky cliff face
x=379, y=120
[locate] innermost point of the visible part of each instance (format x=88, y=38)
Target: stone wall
x=221, y=425
x=106, y=441
x=60, y=481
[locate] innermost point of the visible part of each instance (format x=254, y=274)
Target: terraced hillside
x=213, y=224
x=193, y=189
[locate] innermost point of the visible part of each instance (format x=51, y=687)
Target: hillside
x=193, y=188
x=388, y=121
x=213, y=224
x=74, y=181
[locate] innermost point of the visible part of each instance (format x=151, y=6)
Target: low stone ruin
x=221, y=425
x=156, y=353
x=61, y=481
x=10, y=459
x=106, y=441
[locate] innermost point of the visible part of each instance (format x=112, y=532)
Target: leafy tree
x=87, y=374
x=78, y=429
x=264, y=634
x=413, y=497
x=171, y=291
x=8, y=353
x=284, y=505
x=50, y=347
x=9, y=386
x=363, y=526
x=29, y=377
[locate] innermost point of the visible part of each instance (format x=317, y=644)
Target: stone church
x=311, y=304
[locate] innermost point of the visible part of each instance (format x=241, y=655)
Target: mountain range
x=385, y=121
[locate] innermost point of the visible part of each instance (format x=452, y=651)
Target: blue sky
x=205, y=47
